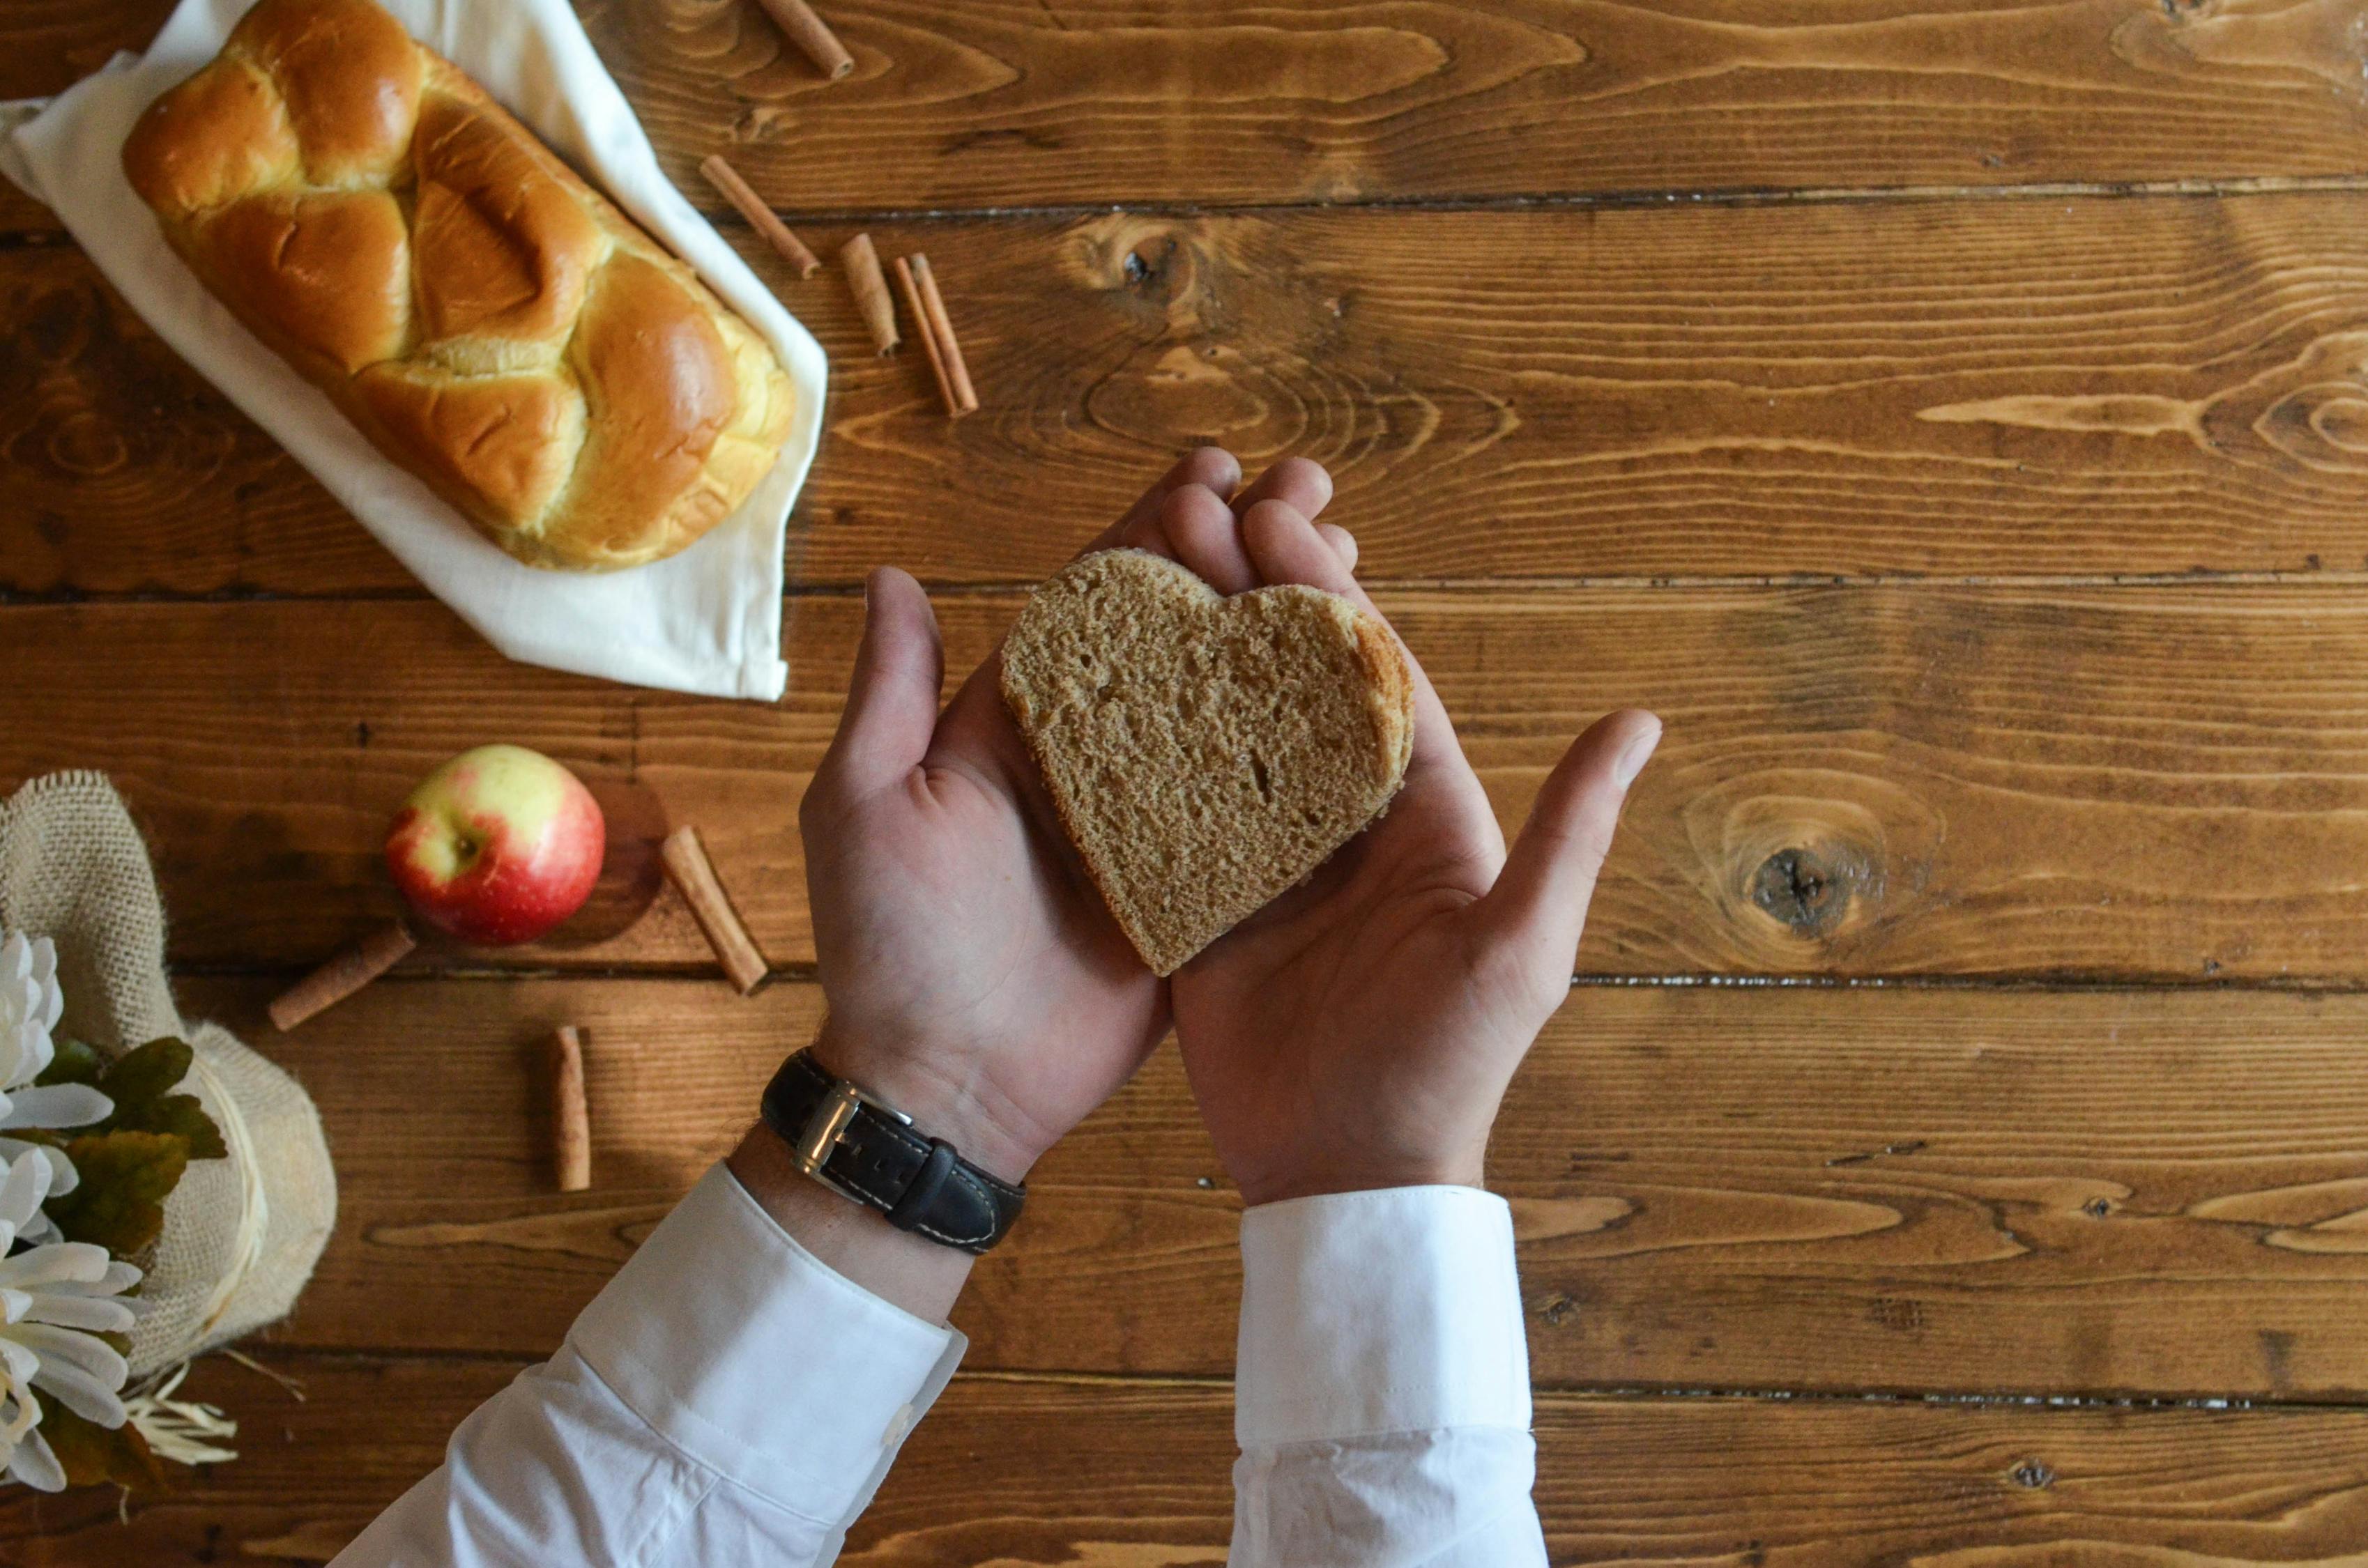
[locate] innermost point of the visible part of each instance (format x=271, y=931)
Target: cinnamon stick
x=941, y=327
x=810, y=33
x=571, y=1116
x=761, y=218
x=928, y=339
x=863, y=276
x=354, y=967
x=687, y=867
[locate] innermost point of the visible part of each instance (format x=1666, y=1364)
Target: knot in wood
x=2033, y=1474
x=1804, y=890
x=1157, y=266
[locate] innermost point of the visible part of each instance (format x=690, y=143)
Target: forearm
x=918, y=1275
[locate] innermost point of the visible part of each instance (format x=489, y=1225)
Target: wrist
x=1320, y=1177
x=938, y=1091
x=855, y=1242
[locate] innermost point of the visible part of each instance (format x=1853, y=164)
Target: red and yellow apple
x=498, y=846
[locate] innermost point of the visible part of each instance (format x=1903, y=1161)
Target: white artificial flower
x=31, y=1005
x=55, y=1300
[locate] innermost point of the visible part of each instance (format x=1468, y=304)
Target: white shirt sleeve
x=1382, y=1386
x=728, y=1398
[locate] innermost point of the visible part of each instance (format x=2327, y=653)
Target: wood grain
x=1985, y=389
x=1012, y=103
x=2140, y=1193
x=996, y=1475
x=1107, y=100
x=1877, y=392
x=2167, y=783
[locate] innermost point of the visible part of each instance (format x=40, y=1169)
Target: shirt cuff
x=1369, y=1313
x=758, y=1361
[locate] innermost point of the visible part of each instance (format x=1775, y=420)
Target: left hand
x=1359, y=1031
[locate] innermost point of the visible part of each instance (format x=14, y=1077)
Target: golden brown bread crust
x=1392, y=690
x=488, y=319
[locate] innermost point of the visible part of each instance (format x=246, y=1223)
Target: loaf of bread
x=1205, y=753
x=488, y=319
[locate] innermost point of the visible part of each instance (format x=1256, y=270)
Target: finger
x=1343, y=543
x=1301, y=483
x=1147, y=533
x=1207, y=538
x=1286, y=547
x=1193, y=513
x=891, y=703
x=1212, y=468
x=1538, y=904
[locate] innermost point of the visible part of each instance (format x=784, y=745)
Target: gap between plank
x=1714, y=195
x=1000, y=588
x=1212, y=1382
x=691, y=972
x=1722, y=195
x=1717, y=196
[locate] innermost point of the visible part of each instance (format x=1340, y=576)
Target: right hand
x=1360, y=1031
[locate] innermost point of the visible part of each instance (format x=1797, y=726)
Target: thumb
x=1538, y=904
x=891, y=703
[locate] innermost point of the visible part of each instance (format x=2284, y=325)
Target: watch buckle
x=819, y=1139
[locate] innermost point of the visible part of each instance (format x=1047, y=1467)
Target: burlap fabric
x=242, y=1234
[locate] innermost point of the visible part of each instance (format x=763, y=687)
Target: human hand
x=1360, y=1030
x=974, y=978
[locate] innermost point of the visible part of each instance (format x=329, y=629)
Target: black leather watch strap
x=872, y=1153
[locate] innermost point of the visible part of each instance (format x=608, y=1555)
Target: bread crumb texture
x=1205, y=753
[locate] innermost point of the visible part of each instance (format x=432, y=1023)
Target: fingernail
x=1632, y=761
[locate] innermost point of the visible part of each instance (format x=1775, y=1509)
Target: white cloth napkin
x=707, y=620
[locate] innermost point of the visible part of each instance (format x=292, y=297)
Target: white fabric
x=729, y=1399
x=707, y=620
x=1382, y=1385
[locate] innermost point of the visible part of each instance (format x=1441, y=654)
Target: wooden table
x=1952, y=416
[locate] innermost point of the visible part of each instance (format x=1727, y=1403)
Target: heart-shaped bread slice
x=1205, y=753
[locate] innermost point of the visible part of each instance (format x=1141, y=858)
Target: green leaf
x=89, y=1453
x=125, y=1174
x=73, y=1064
x=147, y=1072
x=141, y=1083
x=176, y=1116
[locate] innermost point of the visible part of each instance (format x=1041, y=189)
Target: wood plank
x=2167, y=783
x=310, y=1474
x=1979, y=1192
x=46, y=46
x=1110, y=100
x=1974, y=389
x=1103, y=101
x=53, y=44
x=994, y=1475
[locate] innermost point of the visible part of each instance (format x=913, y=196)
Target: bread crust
x=488, y=319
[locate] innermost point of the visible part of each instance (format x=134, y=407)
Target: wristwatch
x=866, y=1150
